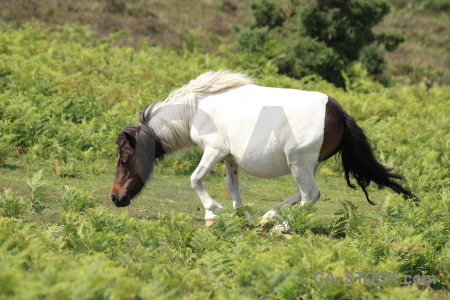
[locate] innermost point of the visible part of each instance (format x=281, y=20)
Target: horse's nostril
x=113, y=198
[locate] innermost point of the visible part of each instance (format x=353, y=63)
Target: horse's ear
x=130, y=138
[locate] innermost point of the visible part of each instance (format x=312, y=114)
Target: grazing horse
x=267, y=132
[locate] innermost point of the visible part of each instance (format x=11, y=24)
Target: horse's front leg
x=233, y=184
x=210, y=157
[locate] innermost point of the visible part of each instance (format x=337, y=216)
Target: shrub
x=319, y=37
x=372, y=59
x=268, y=13
x=253, y=40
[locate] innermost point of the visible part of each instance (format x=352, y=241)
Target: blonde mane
x=207, y=83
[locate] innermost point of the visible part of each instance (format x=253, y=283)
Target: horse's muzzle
x=124, y=201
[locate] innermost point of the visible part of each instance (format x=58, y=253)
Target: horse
x=267, y=132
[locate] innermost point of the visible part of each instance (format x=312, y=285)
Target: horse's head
x=138, y=150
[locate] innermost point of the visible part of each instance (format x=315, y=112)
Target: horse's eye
x=124, y=162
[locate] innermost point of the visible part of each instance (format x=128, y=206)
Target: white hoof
x=271, y=216
x=282, y=228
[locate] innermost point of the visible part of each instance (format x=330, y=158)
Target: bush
x=310, y=56
x=319, y=37
x=372, y=59
x=253, y=40
x=268, y=13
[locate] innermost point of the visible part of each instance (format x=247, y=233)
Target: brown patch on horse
x=333, y=130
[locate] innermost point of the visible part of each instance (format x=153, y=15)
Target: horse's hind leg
x=273, y=215
x=303, y=169
x=233, y=184
x=304, y=172
x=291, y=200
x=210, y=157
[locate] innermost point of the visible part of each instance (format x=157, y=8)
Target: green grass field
x=168, y=193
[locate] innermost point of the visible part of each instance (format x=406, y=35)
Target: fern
x=301, y=219
x=76, y=200
x=11, y=205
x=37, y=189
x=348, y=221
x=203, y=241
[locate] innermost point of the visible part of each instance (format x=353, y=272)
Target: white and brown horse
x=267, y=132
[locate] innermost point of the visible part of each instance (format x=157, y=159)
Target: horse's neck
x=172, y=124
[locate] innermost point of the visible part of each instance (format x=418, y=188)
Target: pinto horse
x=267, y=132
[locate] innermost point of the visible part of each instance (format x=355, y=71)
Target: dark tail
x=358, y=159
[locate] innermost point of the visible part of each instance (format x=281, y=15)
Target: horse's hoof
x=209, y=222
x=270, y=217
x=282, y=228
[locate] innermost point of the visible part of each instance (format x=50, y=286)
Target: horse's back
x=259, y=125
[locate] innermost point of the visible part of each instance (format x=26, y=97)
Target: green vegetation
x=423, y=56
x=65, y=94
x=317, y=37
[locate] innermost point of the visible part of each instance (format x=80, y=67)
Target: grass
x=156, y=252
x=165, y=194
